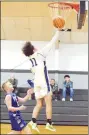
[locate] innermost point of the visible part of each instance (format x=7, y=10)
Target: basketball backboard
x=83, y=13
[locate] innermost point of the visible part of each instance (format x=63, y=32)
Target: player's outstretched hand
x=30, y=91
x=22, y=107
x=58, y=29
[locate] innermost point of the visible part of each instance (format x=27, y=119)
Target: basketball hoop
x=62, y=9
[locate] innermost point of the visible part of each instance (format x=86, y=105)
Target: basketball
x=59, y=22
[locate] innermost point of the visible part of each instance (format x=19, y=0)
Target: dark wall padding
x=64, y=113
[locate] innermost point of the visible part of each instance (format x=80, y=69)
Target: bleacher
x=64, y=113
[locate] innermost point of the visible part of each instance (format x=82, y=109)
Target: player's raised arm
x=23, y=100
x=49, y=46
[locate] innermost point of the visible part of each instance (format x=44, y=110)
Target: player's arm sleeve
x=49, y=46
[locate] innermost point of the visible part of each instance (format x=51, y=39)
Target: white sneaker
x=30, y=123
x=63, y=99
x=33, y=126
x=71, y=99
x=50, y=127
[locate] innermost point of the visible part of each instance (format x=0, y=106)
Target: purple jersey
x=17, y=122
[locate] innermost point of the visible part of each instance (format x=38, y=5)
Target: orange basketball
x=59, y=22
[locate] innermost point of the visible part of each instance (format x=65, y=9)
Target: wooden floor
x=5, y=128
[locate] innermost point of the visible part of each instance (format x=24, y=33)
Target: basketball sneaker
x=33, y=126
x=50, y=127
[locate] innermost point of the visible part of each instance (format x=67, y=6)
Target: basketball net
x=59, y=9
x=62, y=9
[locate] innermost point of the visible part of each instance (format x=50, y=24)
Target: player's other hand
x=22, y=107
x=30, y=91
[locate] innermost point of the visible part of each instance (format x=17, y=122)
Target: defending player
x=11, y=100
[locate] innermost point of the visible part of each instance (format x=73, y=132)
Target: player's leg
x=36, y=111
x=26, y=130
x=48, y=102
x=15, y=132
x=37, y=108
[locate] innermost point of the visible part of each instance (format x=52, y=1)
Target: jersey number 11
x=33, y=61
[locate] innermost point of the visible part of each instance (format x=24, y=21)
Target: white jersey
x=38, y=64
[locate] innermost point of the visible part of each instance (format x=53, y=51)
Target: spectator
x=67, y=87
x=14, y=82
x=54, y=88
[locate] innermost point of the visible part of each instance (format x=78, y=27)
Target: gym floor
x=6, y=128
